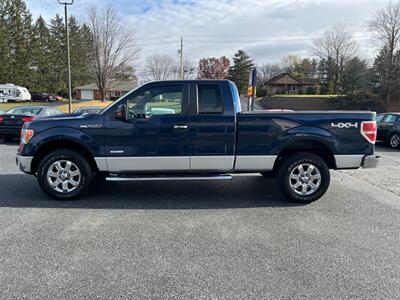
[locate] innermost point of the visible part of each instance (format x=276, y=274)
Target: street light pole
x=65, y=3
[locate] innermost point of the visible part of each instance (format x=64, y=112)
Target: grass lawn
x=8, y=106
x=305, y=96
x=62, y=105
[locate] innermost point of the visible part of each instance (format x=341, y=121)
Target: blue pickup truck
x=194, y=130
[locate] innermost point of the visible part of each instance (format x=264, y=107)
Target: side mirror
x=120, y=113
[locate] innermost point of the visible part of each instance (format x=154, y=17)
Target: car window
x=156, y=101
x=30, y=111
x=379, y=118
x=389, y=119
x=209, y=99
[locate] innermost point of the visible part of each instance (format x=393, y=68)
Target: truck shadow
x=19, y=190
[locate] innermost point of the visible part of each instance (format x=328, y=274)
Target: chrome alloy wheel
x=63, y=176
x=305, y=179
x=395, y=141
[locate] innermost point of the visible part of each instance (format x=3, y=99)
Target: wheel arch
x=58, y=144
x=307, y=144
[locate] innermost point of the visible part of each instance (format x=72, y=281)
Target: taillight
x=1, y=119
x=27, y=119
x=368, y=130
x=26, y=135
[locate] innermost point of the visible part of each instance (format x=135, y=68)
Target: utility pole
x=65, y=3
x=181, y=52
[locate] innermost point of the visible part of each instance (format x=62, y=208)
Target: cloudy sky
x=267, y=30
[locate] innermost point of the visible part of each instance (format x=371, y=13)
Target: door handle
x=181, y=127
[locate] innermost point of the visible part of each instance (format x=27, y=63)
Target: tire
x=394, y=140
x=316, y=181
x=69, y=172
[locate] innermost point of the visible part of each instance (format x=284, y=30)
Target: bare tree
x=336, y=46
x=159, y=67
x=188, y=69
x=113, y=46
x=385, y=28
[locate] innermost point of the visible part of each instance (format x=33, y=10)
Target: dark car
x=88, y=110
x=43, y=97
x=389, y=128
x=12, y=121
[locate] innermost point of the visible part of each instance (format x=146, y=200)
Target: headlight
x=26, y=135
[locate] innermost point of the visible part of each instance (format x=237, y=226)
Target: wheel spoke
x=55, y=183
x=310, y=170
x=314, y=177
x=73, y=182
x=301, y=170
x=65, y=186
x=296, y=185
x=58, y=166
x=313, y=186
x=304, y=188
x=68, y=166
x=52, y=174
x=74, y=173
x=295, y=176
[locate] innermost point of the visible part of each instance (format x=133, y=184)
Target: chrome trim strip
x=182, y=178
x=255, y=162
x=348, y=161
x=24, y=163
x=212, y=163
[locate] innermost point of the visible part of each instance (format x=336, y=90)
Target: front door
x=154, y=136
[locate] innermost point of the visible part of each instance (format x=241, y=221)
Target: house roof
x=299, y=81
x=114, y=86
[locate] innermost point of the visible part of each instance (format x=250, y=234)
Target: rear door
x=212, y=127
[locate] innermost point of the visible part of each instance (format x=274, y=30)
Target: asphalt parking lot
x=238, y=239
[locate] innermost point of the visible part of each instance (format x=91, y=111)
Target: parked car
x=389, y=128
x=2, y=111
x=43, y=97
x=88, y=110
x=195, y=130
x=13, y=93
x=11, y=122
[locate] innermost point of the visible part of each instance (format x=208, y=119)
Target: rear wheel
x=394, y=140
x=64, y=175
x=303, y=177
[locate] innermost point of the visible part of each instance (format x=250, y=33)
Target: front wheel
x=303, y=177
x=64, y=175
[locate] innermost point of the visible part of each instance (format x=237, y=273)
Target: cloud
x=268, y=30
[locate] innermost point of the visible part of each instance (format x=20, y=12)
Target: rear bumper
x=24, y=163
x=356, y=161
x=370, y=161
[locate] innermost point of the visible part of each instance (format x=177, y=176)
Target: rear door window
x=209, y=99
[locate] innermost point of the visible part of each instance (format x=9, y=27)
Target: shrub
x=311, y=90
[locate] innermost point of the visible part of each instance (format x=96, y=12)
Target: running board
x=168, y=178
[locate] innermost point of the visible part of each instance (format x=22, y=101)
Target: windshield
x=28, y=111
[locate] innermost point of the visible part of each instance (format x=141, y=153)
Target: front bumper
x=24, y=163
x=370, y=161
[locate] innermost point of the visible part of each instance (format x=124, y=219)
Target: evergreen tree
x=239, y=72
x=58, y=58
x=41, y=69
x=17, y=22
